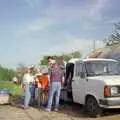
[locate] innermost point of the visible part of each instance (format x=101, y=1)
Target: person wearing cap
x=56, y=80
x=43, y=84
x=27, y=87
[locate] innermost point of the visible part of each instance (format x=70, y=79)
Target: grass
x=11, y=88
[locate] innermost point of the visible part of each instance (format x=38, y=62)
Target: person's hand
x=36, y=79
x=23, y=87
x=49, y=86
x=63, y=80
x=39, y=85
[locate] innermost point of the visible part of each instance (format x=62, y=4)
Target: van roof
x=99, y=59
x=73, y=60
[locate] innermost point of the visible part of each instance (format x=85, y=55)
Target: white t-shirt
x=27, y=78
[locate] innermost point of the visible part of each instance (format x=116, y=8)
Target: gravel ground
x=67, y=112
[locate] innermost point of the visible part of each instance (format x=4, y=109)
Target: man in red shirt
x=56, y=80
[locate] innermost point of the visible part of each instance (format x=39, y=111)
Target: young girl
x=27, y=87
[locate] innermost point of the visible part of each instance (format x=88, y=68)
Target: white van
x=95, y=84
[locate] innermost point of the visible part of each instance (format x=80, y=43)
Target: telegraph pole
x=94, y=45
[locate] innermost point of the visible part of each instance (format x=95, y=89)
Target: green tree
x=67, y=57
x=76, y=54
x=44, y=61
x=114, y=38
x=20, y=71
x=7, y=74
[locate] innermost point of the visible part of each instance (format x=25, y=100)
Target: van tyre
x=92, y=108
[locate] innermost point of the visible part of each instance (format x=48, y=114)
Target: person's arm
x=63, y=79
x=50, y=76
x=49, y=79
x=38, y=83
x=23, y=83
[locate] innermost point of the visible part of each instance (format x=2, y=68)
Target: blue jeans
x=33, y=87
x=55, y=89
x=28, y=91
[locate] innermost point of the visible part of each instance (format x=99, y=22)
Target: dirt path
x=66, y=113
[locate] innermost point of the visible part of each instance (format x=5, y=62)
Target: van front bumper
x=110, y=103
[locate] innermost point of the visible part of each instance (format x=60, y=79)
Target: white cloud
x=33, y=3
x=58, y=12
x=114, y=20
x=40, y=24
x=97, y=9
x=62, y=10
x=72, y=12
x=71, y=43
x=35, y=26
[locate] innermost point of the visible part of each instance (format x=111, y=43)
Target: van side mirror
x=82, y=75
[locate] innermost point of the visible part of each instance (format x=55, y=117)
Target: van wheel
x=92, y=107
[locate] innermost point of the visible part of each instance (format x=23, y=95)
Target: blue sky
x=30, y=29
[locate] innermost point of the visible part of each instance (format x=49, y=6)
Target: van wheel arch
x=87, y=96
x=92, y=107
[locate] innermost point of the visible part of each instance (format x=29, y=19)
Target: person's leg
x=32, y=93
x=27, y=96
x=51, y=95
x=36, y=94
x=57, y=95
x=39, y=97
x=43, y=98
x=46, y=97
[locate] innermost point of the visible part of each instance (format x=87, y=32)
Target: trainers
x=24, y=107
x=56, y=110
x=48, y=110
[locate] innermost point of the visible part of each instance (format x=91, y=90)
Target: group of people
x=48, y=83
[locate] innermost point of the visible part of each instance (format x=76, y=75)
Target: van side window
x=78, y=69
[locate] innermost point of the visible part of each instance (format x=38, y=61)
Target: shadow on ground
x=76, y=110
x=70, y=109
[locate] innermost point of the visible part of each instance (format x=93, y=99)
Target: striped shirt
x=56, y=75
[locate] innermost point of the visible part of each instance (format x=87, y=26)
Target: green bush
x=12, y=88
